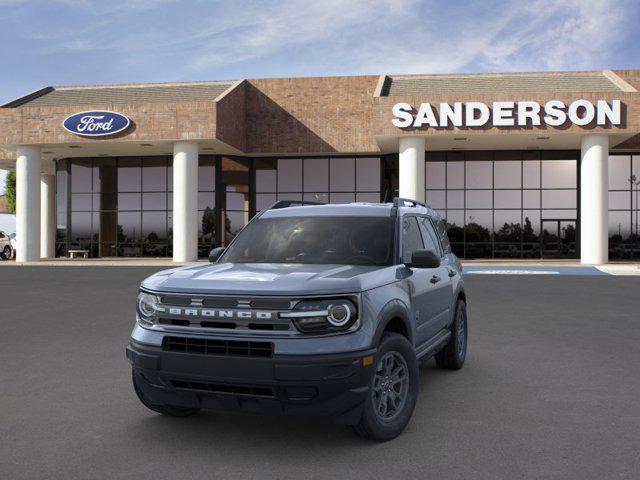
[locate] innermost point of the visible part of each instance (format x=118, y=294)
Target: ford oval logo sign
x=96, y=123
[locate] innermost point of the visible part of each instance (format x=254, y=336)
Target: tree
x=10, y=188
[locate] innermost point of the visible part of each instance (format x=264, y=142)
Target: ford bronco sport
x=316, y=311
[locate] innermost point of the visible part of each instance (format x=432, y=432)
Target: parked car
x=314, y=311
x=7, y=248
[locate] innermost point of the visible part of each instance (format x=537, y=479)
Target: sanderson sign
x=508, y=114
x=96, y=123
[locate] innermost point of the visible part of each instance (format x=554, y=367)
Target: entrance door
x=558, y=238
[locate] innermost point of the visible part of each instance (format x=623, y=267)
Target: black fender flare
x=394, y=309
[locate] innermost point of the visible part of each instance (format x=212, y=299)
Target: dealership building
x=521, y=165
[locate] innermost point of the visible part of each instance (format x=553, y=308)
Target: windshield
x=318, y=240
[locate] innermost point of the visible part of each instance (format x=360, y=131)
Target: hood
x=270, y=279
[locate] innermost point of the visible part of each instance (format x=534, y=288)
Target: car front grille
x=206, y=346
x=254, y=391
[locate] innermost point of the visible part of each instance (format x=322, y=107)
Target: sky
x=71, y=42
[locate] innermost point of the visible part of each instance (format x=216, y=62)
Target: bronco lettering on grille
x=217, y=313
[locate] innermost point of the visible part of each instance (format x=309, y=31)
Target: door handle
x=435, y=279
x=452, y=273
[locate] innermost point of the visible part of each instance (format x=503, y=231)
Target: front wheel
x=393, y=390
x=6, y=252
x=452, y=356
x=169, y=410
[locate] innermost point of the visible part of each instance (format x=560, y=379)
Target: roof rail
x=289, y=203
x=400, y=202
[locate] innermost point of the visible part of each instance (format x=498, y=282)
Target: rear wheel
x=170, y=410
x=6, y=252
x=452, y=356
x=393, y=390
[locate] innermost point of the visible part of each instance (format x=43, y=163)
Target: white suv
x=6, y=247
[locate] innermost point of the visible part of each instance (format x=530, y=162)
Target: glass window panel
x=289, y=175
x=507, y=199
x=619, y=172
x=411, y=238
x=507, y=225
x=507, y=174
x=559, y=199
x=105, y=177
x=455, y=225
x=237, y=201
x=342, y=197
x=531, y=225
x=429, y=237
x=129, y=201
x=478, y=174
x=81, y=202
x=620, y=200
x=342, y=175
x=367, y=174
x=620, y=224
x=265, y=200
x=478, y=226
x=455, y=174
x=266, y=180
x=237, y=220
x=206, y=225
x=436, y=199
x=205, y=199
x=154, y=201
x=636, y=166
x=566, y=214
x=316, y=197
x=81, y=175
x=436, y=174
x=80, y=230
x=154, y=174
x=289, y=196
x=372, y=197
x=455, y=198
x=559, y=173
x=531, y=198
x=170, y=177
x=531, y=174
x=131, y=228
x=206, y=177
x=154, y=227
x=129, y=175
x=479, y=198
x=316, y=174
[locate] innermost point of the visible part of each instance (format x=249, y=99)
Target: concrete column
x=28, y=204
x=48, y=211
x=411, y=165
x=594, y=199
x=185, y=201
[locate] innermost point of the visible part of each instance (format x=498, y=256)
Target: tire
x=452, y=356
x=7, y=253
x=380, y=421
x=169, y=410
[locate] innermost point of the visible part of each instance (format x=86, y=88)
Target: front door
x=558, y=238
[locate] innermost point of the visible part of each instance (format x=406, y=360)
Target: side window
x=430, y=239
x=1, y=235
x=411, y=238
x=444, y=238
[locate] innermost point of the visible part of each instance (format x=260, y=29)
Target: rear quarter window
x=441, y=228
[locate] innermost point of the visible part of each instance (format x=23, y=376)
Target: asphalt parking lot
x=551, y=390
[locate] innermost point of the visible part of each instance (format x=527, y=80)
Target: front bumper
x=307, y=386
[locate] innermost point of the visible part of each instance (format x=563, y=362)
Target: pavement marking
x=512, y=272
x=532, y=270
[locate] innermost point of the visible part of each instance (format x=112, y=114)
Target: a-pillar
x=28, y=203
x=594, y=199
x=411, y=168
x=185, y=201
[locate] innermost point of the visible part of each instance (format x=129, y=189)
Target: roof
x=356, y=209
x=120, y=94
x=508, y=83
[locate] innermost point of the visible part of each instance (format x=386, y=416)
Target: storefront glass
x=624, y=195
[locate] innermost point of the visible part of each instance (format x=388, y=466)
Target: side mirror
x=424, y=259
x=215, y=254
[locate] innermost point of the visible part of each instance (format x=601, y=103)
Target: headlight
x=323, y=315
x=147, y=308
